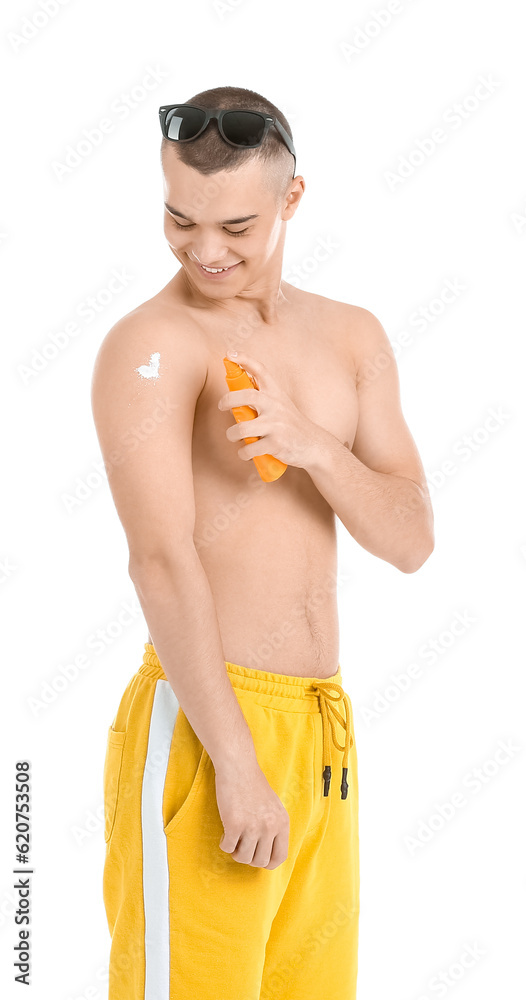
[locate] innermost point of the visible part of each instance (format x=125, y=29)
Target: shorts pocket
x=192, y=790
x=112, y=777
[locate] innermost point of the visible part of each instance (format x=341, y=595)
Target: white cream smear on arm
x=150, y=370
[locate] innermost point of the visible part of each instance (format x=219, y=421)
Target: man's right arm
x=145, y=426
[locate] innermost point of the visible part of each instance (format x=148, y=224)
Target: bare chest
x=310, y=358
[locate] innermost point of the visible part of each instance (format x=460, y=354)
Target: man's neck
x=266, y=304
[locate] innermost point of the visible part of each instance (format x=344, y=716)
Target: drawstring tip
x=326, y=778
x=344, y=786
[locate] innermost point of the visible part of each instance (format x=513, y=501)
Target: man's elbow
x=151, y=563
x=416, y=558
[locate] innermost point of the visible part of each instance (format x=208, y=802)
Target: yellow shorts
x=188, y=921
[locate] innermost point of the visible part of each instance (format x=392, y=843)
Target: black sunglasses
x=184, y=122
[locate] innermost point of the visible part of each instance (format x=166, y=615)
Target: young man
x=232, y=858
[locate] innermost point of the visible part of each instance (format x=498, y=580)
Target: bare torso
x=269, y=549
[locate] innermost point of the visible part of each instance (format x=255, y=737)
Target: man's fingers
x=269, y=852
x=280, y=850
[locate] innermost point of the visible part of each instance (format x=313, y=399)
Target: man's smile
x=215, y=274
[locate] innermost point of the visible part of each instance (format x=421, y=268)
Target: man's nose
x=208, y=255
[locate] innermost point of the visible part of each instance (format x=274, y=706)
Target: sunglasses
x=184, y=122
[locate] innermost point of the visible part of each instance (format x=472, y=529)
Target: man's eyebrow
x=225, y=222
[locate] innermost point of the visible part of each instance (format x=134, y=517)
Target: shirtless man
x=231, y=570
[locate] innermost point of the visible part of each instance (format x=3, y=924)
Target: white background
x=460, y=216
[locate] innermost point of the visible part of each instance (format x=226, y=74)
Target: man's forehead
x=225, y=197
x=224, y=222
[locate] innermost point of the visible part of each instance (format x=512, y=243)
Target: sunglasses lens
x=244, y=128
x=183, y=123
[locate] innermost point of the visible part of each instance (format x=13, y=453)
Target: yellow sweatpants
x=188, y=921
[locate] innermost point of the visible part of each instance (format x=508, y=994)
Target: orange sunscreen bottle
x=269, y=468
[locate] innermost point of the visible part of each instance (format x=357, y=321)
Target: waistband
x=309, y=694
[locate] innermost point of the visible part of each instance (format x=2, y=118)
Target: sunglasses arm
x=287, y=140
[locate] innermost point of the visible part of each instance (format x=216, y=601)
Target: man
x=232, y=868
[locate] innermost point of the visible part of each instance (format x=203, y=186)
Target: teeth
x=214, y=270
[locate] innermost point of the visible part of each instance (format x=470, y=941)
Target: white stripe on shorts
x=155, y=877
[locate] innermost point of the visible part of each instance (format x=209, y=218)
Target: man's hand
x=282, y=429
x=256, y=823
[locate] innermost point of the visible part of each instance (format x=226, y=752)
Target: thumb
x=253, y=367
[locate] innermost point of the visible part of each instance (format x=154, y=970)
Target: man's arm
x=378, y=489
x=145, y=427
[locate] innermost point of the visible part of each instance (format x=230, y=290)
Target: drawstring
x=326, y=699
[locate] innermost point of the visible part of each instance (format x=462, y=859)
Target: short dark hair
x=210, y=153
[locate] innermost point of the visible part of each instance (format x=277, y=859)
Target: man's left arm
x=378, y=488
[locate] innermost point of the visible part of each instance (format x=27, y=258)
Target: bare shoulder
x=148, y=374
x=358, y=331
x=364, y=337
x=351, y=316
x=320, y=305
x=360, y=325
x=149, y=346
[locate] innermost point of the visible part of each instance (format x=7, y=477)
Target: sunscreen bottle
x=269, y=468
